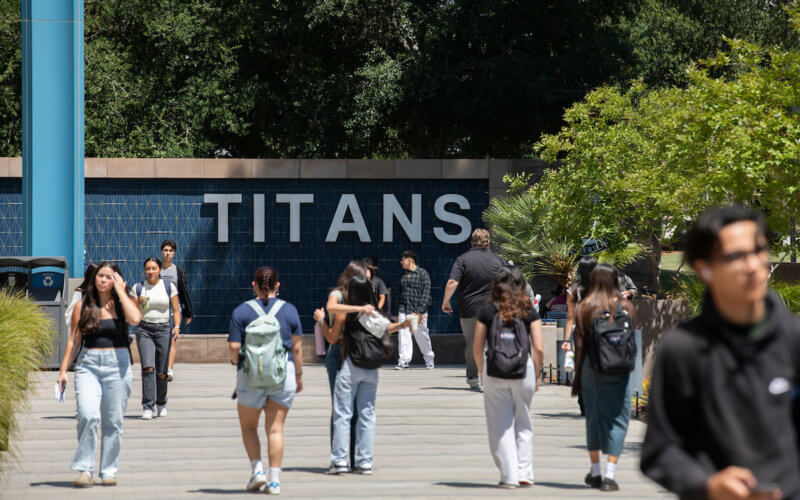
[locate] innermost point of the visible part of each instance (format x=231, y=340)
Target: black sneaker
x=593, y=481
x=335, y=469
x=609, y=485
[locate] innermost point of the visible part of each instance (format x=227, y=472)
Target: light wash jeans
x=354, y=385
x=102, y=386
x=507, y=403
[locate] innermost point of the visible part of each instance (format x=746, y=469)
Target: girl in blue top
x=274, y=403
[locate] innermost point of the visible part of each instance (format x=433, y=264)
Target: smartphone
x=766, y=489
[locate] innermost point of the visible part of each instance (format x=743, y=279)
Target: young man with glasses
x=722, y=415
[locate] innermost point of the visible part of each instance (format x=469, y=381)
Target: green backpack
x=263, y=352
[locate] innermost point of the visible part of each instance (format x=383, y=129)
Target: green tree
x=638, y=162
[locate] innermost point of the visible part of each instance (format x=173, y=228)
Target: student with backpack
x=508, y=352
x=157, y=299
x=264, y=340
x=605, y=353
x=366, y=348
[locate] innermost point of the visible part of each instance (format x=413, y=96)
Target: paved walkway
x=430, y=442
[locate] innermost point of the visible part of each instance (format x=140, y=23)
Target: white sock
x=595, y=469
x=257, y=466
x=610, y=470
x=275, y=475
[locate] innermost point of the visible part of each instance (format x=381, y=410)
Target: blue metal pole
x=52, y=129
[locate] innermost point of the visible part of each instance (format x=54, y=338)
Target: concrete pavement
x=430, y=443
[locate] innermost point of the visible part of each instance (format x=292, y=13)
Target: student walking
x=102, y=374
x=378, y=284
x=413, y=297
x=177, y=278
x=356, y=383
x=269, y=381
x=472, y=274
x=606, y=397
x=334, y=355
x=576, y=292
x=158, y=300
x=509, y=321
x=720, y=417
x=77, y=295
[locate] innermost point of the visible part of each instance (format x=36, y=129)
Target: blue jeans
x=359, y=386
x=333, y=363
x=102, y=386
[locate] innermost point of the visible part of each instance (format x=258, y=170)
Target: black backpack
x=365, y=349
x=507, y=349
x=612, y=343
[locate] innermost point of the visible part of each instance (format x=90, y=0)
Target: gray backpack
x=263, y=352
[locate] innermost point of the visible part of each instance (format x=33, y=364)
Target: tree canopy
x=359, y=78
x=636, y=162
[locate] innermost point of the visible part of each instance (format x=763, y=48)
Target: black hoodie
x=722, y=395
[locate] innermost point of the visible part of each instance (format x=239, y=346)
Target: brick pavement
x=430, y=443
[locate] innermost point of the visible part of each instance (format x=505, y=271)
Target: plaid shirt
x=414, y=294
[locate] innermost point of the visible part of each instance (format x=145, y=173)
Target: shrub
x=26, y=341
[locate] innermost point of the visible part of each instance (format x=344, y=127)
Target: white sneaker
x=147, y=414
x=161, y=411
x=258, y=480
x=273, y=489
x=169, y=374
x=429, y=367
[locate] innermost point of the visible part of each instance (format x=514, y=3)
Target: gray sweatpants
x=507, y=403
x=153, y=341
x=468, y=329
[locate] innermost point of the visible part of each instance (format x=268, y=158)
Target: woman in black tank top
x=102, y=374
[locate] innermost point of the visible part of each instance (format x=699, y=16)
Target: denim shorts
x=257, y=398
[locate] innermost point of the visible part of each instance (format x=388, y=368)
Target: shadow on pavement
x=59, y=417
x=460, y=389
x=55, y=484
x=467, y=485
x=310, y=470
x=563, y=486
x=575, y=415
x=221, y=491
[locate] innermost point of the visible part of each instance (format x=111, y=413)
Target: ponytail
x=266, y=279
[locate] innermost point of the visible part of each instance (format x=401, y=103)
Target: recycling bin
x=45, y=281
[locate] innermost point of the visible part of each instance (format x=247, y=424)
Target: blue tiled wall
x=127, y=220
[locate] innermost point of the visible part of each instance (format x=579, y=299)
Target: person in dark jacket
x=721, y=422
x=177, y=277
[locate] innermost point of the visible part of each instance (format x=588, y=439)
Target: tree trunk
x=654, y=242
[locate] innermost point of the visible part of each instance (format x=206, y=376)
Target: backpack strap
x=254, y=304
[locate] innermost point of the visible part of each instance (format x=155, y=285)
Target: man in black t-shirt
x=473, y=274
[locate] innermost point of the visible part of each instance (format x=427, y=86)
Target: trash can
x=44, y=280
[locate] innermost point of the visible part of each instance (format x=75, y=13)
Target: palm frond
x=621, y=257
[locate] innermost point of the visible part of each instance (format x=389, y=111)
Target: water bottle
x=569, y=361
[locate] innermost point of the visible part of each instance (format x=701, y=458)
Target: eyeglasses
x=740, y=258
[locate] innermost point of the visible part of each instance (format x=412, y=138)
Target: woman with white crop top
x=153, y=337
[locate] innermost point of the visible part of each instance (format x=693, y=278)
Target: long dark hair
x=90, y=308
x=582, y=277
x=88, y=276
x=508, y=292
x=354, y=268
x=266, y=280
x=359, y=293
x=604, y=292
